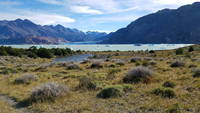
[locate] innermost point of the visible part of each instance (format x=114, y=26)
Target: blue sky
x=95, y=15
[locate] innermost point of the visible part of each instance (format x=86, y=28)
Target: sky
x=85, y=15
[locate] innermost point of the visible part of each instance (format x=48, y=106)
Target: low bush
x=190, y=49
x=169, y=84
x=34, y=52
x=120, y=62
x=196, y=73
x=25, y=79
x=8, y=70
x=86, y=83
x=164, y=92
x=151, y=51
x=177, y=64
x=152, y=62
x=109, y=93
x=48, y=92
x=44, y=53
x=192, y=66
x=112, y=72
x=179, y=51
x=73, y=66
x=136, y=59
x=138, y=74
x=96, y=65
x=85, y=61
x=174, y=109
x=112, y=65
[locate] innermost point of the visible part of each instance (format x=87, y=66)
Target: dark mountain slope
x=26, y=32
x=181, y=25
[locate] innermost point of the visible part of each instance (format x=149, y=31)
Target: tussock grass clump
x=25, y=79
x=148, y=58
x=164, y=92
x=85, y=61
x=174, y=109
x=196, y=73
x=110, y=92
x=6, y=70
x=135, y=59
x=48, y=92
x=190, y=49
x=86, y=83
x=179, y=51
x=138, y=74
x=120, y=62
x=112, y=65
x=177, y=64
x=112, y=72
x=96, y=64
x=192, y=66
x=169, y=84
x=62, y=64
x=152, y=62
x=73, y=66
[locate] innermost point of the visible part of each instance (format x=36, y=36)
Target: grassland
x=114, y=66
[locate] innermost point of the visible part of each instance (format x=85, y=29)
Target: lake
x=74, y=58
x=108, y=47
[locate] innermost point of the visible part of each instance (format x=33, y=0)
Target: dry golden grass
x=6, y=108
x=139, y=100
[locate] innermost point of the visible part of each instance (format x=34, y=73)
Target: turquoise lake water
x=107, y=47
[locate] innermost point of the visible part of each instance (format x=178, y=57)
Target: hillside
x=26, y=32
x=170, y=26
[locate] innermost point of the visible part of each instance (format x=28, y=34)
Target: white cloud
x=174, y=2
x=9, y=3
x=85, y=9
x=55, y=2
x=119, y=18
x=39, y=18
x=104, y=5
x=116, y=6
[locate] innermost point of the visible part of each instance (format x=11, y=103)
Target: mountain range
x=169, y=26
x=26, y=32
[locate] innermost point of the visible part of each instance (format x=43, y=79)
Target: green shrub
x=164, y=92
x=8, y=71
x=112, y=65
x=190, y=49
x=136, y=59
x=96, y=65
x=138, y=74
x=122, y=87
x=109, y=93
x=112, y=72
x=151, y=51
x=177, y=64
x=152, y=62
x=44, y=53
x=86, y=83
x=192, y=66
x=196, y=73
x=179, y=51
x=3, y=52
x=169, y=84
x=31, y=54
